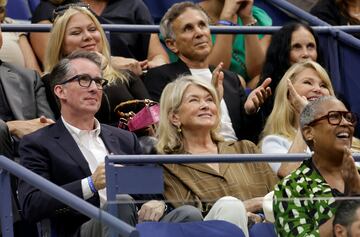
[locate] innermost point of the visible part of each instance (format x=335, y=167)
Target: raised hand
x=298, y=102
x=245, y=11
x=217, y=80
x=257, y=97
x=350, y=173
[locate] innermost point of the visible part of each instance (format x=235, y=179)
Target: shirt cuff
x=86, y=189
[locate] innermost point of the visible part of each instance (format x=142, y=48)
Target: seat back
x=214, y=228
x=33, y=4
x=262, y=230
x=131, y=179
x=18, y=9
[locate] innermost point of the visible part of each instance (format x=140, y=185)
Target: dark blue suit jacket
x=52, y=153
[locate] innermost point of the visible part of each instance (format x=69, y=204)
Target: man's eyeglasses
x=85, y=81
x=59, y=11
x=335, y=117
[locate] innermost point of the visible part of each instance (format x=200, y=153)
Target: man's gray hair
x=173, y=13
x=312, y=109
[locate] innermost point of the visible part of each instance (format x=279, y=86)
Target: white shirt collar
x=78, y=132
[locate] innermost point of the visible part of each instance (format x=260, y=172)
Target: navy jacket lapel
x=111, y=142
x=68, y=144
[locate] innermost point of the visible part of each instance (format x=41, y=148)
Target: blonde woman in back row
x=303, y=82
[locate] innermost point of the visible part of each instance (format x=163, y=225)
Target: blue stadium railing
x=7, y=166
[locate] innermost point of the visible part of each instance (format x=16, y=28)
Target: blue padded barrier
x=5, y=204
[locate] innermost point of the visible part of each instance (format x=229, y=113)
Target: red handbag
x=138, y=114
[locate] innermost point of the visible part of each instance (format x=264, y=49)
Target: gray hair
x=311, y=110
x=173, y=13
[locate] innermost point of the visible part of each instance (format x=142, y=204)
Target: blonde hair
x=169, y=139
x=281, y=121
x=54, y=49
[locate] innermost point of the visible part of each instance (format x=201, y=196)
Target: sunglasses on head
x=59, y=11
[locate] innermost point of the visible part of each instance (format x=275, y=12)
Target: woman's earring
x=178, y=129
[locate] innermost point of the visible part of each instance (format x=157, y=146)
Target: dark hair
x=61, y=70
x=346, y=212
x=343, y=7
x=277, y=60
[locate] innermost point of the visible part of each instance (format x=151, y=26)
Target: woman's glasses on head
x=335, y=117
x=59, y=11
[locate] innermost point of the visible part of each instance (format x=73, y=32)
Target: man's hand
x=99, y=177
x=151, y=211
x=217, y=80
x=20, y=128
x=257, y=97
x=350, y=173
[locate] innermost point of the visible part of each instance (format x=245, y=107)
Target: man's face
x=353, y=230
x=192, y=36
x=76, y=99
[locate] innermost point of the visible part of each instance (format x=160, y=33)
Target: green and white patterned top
x=311, y=202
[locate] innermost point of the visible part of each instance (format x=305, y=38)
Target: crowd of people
x=217, y=94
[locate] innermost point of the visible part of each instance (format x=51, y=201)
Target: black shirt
x=130, y=45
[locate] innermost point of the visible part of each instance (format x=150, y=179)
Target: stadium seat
x=215, y=228
x=158, y=8
x=262, y=230
x=18, y=9
x=33, y=4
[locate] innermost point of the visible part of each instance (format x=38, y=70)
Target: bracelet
x=91, y=184
x=253, y=23
x=226, y=23
x=262, y=216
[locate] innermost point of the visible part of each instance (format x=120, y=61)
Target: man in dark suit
x=185, y=28
x=71, y=152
